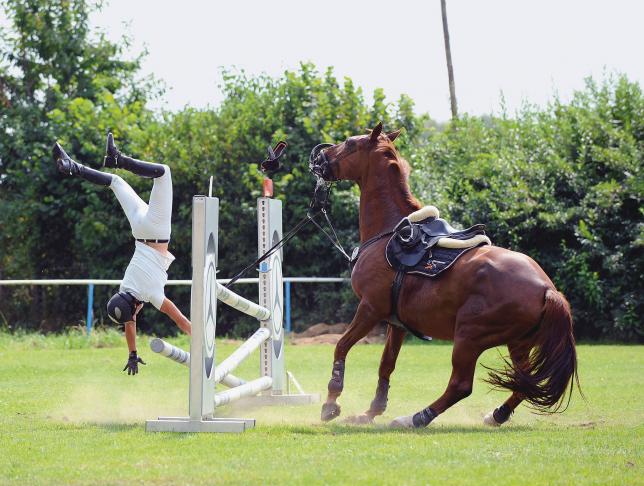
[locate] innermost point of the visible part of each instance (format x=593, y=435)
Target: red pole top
x=267, y=187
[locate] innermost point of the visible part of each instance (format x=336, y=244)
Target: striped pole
x=183, y=357
x=238, y=302
x=241, y=353
x=249, y=389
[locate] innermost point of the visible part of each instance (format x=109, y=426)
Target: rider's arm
x=130, y=331
x=175, y=314
x=130, y=335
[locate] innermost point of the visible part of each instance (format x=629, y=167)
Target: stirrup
x=112, y=154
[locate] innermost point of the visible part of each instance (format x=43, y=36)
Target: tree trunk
x=448, y=55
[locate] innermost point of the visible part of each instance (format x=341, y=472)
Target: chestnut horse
x=490, y=297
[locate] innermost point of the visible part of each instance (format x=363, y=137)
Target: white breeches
x=148, y=221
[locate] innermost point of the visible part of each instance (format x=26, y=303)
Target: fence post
x=287, y=306
x=90, y=308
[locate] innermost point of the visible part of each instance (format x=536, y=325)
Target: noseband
x=319, y=164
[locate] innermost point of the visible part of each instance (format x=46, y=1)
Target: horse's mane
x=388, y=149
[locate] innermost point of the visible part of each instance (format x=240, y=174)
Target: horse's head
x=355, y=157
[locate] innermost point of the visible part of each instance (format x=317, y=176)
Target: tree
x=56, y=82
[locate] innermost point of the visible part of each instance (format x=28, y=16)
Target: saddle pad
x=429, y=263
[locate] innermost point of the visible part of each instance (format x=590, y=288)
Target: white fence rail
x=91, y=282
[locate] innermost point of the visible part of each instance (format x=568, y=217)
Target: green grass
x=68, y=415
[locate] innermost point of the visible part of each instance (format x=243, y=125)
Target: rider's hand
x=132, y=365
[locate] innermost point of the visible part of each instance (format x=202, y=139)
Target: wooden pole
x=448, y=55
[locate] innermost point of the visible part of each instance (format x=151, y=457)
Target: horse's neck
x=383, y=206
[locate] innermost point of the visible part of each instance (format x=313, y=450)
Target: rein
x=296, y=229
x=319, y=166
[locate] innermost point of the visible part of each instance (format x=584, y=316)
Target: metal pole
x=90, y=308
x=287, y=306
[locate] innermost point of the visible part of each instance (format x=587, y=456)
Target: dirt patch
x=323, y=333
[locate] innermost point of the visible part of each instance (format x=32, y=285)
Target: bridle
x=320, y=167
x=319, y=164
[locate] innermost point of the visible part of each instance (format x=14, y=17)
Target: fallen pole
x=174, y=353
x=248, y=389
x=238, y=302
x=240, y=354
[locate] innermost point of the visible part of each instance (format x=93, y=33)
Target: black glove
x=132, y=365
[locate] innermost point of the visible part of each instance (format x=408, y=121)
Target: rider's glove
x=132, y=365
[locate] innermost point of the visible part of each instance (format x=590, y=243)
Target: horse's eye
x=350, y=143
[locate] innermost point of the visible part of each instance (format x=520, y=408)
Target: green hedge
x=562, y=184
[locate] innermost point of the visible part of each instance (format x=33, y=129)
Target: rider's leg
x=159, y=215
x=133, y=206
x=115, y=159
x=67, y=165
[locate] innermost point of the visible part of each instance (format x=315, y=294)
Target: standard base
x=280, y=400
x=185, y=424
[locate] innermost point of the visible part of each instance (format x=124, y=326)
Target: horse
x=490, y=297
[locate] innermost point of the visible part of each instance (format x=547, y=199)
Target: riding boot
x=66, y=165
x=116, y=160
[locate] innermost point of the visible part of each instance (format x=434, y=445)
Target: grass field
x=69, y=415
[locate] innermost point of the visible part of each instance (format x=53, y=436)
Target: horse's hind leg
x=519, y=356
x=464, y=357
x=395, y=338
x=365, y=319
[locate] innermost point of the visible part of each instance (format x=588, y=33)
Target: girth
x=396, y=286
x=394, y=320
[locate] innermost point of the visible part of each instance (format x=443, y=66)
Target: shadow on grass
x=347, y=429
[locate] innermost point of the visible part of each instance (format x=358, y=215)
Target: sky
x=525, y=50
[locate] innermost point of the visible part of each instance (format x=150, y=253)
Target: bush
x=563, y=185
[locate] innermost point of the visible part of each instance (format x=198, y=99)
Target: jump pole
x=204, y=374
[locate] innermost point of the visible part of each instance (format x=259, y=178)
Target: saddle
x=424, y=244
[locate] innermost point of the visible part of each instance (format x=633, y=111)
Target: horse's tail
x=551, y=366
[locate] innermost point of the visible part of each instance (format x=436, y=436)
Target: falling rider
x=146, y=275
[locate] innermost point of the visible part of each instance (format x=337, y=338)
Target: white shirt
x=147, y=274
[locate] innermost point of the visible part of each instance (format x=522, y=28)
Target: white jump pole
x=248, y=389
x=241, y=353
x=174, y=353
x=238, y=302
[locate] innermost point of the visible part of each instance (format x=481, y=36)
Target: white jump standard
x=204, y=373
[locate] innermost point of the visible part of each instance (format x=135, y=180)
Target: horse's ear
x=375, y=133
x=393, y=135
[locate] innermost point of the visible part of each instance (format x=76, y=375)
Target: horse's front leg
x=395, y=338
x=365, y=319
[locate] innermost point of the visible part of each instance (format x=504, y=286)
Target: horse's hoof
x=330, y=410
x=403, y=422
x=363, y=419
x=490, y=420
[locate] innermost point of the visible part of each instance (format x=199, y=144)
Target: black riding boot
x=116, y=160
x=68, y=166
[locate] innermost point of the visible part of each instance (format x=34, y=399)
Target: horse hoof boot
x=489, y=420
x=330, y=410
x=499, y=416
x=406, y=422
